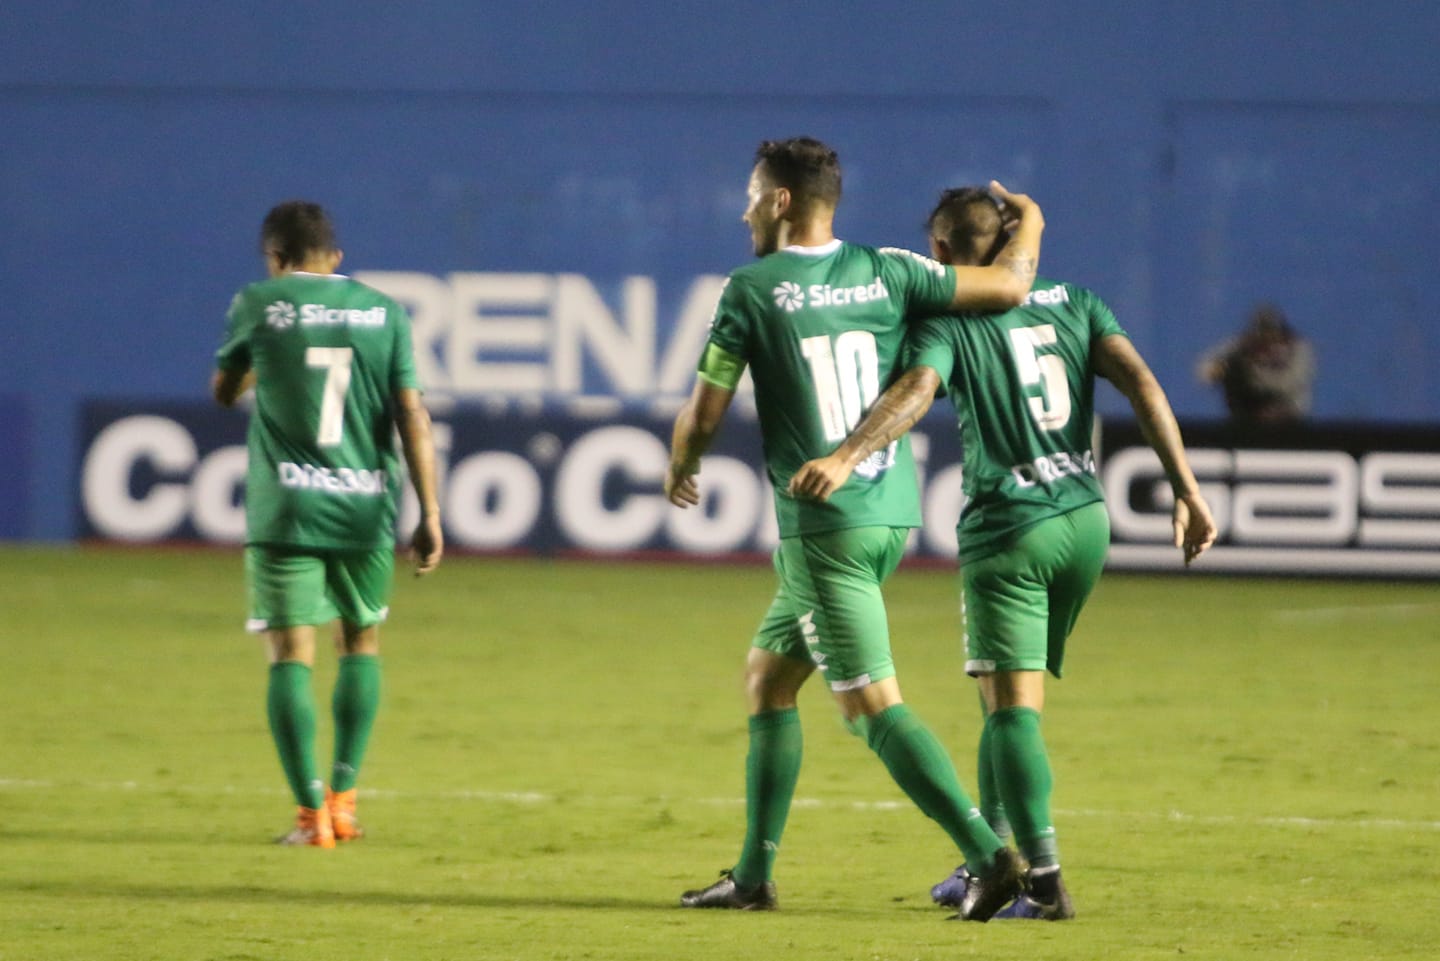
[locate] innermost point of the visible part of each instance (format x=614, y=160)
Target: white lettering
x=203, y=489
x=1051, y=467
x=824, y=295
x=1049, y=297
x=1320, y=509
x=1400, y=484
x=105, y=482
x=313, y=315
x=526, y=335
x=626, y=354
x=728, y=512
x=580, y=489
x=427, y=299
x=486, y=325
x=338, y=480
x=215, y=495
x=492, y=500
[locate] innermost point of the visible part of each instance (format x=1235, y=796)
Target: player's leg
x=286, y=600
x=1022, y=604
x=775, y=669
x=359, y=584
x=851, y=641
x=1079, y=558
x=950, y=892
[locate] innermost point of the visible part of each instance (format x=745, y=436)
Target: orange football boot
x=341, y=805
x=312, y=829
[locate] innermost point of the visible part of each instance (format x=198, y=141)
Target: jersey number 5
x=335, y=361
x=1051, y=410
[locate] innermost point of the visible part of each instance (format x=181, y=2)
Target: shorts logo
x=789, y=295
x=280, y=314
x=811, y=634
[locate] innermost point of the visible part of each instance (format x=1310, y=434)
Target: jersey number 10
x=846, y=378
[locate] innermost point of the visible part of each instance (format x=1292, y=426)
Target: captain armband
x=720, y=367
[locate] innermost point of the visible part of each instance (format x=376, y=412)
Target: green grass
x=1244, y=769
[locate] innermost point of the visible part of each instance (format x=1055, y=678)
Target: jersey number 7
x=335, y=361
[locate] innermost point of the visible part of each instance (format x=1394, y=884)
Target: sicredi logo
x=1049, y=297
x=318, y=315
x=280, y=315
x=789, y=296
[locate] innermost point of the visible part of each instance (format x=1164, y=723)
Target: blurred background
x=554, y=190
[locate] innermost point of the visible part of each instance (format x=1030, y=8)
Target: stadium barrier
x=1328, y=500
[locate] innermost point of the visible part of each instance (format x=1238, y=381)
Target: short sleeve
x=929, y=343
x=925, y=286
x=402, y=367
x=234, y=352
x=1102, y=319
x=734, y=319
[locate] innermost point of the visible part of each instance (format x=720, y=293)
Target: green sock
x=353, y=705
x=990, y=804
x=1022, y=774
x=918, y=763
x=291, y=706
x=772, y=767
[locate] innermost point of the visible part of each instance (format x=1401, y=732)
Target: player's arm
x=1117, y=360
x=699, y=421
x=412, y=421
x=897, y=410
x=1006, y=282
x=228, y=386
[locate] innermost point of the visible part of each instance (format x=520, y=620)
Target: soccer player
x=334, y=377
x=1034, y=531
x=819, y=323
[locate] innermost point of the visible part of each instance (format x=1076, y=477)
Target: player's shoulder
x=255, y=294
x=374, y=293
x=905, y=257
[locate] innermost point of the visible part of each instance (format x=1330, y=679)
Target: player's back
x=329, y=355
x=822, y=330
x=1023, y=391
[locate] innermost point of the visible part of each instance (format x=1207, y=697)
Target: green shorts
x=1021, y=603
x=828, y=608
x=291, y=586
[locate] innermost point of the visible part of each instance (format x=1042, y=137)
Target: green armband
x=720, y=367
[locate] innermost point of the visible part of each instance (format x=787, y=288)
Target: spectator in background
x=1266, y=371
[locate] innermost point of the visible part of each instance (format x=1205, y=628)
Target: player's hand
x=681, y=487
x=1194, y=527
x=1014, y=207
x=819, y=478
x=427, y=545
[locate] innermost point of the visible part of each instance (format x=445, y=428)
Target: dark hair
x=803, y=165
x=295, y=229
x=964, y=213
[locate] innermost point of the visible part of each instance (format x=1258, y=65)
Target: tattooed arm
x=897, y=410
x=1007, y=280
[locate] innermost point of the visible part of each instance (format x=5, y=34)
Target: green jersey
x=1023, y=389
x=821, y=329
x=329, y=355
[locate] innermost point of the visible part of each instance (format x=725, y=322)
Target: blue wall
x=1192, y=158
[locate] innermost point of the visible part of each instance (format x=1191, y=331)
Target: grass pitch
x=1244, y=769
